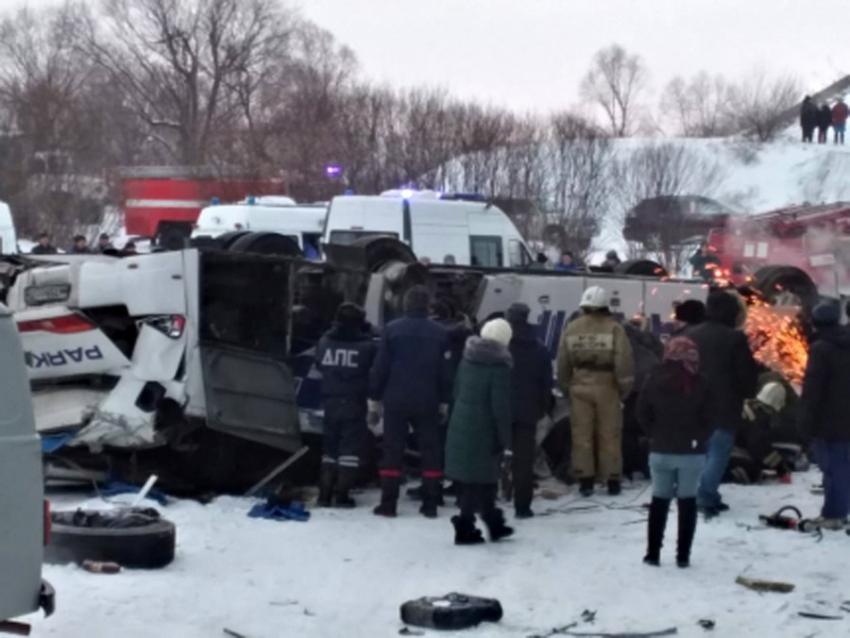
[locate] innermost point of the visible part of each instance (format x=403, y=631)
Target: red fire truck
x=163, y=202
x=804, y=248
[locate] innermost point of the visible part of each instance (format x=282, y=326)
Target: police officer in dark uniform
x=410, y=386
x=344, y=356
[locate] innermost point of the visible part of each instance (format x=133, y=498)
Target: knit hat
x=517, y=314
x=691, y=311
x=417, y=299
x=497, y=330
x=772, y=395
x=350, y=315
x=684, y=351
x=826, y=314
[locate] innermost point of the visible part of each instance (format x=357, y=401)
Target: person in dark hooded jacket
x=824, y=410
x=410, y=385
x=648, y=352
x=344, y=356
x=532, y=379
x=728, y=366
x=808, y=118
x=824, y=123
x=480, y=431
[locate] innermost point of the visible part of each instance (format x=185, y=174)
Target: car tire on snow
x=267, y=244
x=643, y=267
x=149, y=546
x=451, y=612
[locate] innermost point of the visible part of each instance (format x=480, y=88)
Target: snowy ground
x=346, y=573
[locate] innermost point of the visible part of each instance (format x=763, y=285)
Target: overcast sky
x=531, y=54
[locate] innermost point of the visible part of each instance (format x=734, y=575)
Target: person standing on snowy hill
x=596, y=368
x=344, y=356
x=808, y=118
x=824, y=122
x=839, y=120
x=731, y=372
x=410, y=386
x=824, y=410
x=674, y=410
x=480, y=432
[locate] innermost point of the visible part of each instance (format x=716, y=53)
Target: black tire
x=452, y=612
x=227, y=240
x=771, y=281
x=267, y=244
x=642, y=267
x=173, y=239
x=148, y=547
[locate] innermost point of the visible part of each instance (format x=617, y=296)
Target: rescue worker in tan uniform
x=596, y=368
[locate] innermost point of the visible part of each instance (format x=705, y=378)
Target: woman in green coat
x=480, y=431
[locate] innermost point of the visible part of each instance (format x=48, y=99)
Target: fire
x=776, y=339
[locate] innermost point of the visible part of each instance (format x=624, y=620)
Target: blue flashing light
x=332, y=170
x=407, y=193
x=216, y=201
x=251, y=200
x=349, y=191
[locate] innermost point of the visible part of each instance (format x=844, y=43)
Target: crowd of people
x=473, y=402
x=80, y=246
x=822, y=118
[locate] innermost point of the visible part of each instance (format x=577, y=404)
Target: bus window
x=485, y=252
x=348, y=237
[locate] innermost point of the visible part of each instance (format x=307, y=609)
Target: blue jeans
x=834, y=461
x=675, y=475
x=719, y=450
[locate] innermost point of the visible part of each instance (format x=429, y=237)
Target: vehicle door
x=243, y=324
x=21, y=492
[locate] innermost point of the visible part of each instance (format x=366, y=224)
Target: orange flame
x=776, y=339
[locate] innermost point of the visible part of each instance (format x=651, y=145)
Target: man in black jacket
x=531, y=394
x=410, y=385
x=344, y=357
x=728, y=366
x=824, y=410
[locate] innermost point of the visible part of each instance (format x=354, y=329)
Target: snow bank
x=347, y=573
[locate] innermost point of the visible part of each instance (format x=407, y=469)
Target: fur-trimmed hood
x=488, y=352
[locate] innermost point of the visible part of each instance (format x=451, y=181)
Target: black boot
x=390, y=486
x=465, y=531
x=431, y=489
x=496, y=528
x=687, y=529
x=327, y=479
x=347, y=480
x=586, y=487
x=658, y=511
x=614, y=487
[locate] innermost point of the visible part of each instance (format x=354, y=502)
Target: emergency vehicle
x=164, y=202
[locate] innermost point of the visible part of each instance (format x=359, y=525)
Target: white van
x=437, y=227
x=24, y=524
x=8, y=236
x=301, y=222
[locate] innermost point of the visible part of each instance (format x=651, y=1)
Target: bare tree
x=699, y=107
x=578, y=164
x=177, y=60
x=615, y=82
x=758, y=102
x=654, y=186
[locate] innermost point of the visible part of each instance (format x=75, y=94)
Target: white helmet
x=772, y=395
x=594, y=298
x=497, y=330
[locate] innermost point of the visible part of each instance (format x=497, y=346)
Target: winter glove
x=444, y=413
x=376, y=411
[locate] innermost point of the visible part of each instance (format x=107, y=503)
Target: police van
x=451, y=229
x=8, y=237
x=280, y=215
